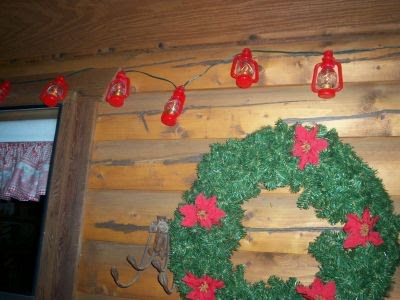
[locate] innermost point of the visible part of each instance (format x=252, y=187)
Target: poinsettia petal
x=366, y=216
x=188, y=210
x=312, y=133
x=317, y=285
x=215, y=214
x=301, y=133
x=313, y=158
x=218, y=284
x=206, y=222
x=212, y=202
x=301, y=289
x=375, y=238
x=206, y=296
x=352, y=241
x=329, y=290
x=353, y=224
x=201, y=202
x=190, y=215
x=305, y=292
x=320, y=144
x=372, y=222
x=302, y=163
x=191, y=280
x=193, y=295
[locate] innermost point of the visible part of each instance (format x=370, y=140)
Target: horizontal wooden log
x=143, y=177
x=273, y=221
x=359, y=110
x=95, y=278
x=269, y=25
x=99, y=257
x=125, y=216
x=276, y=69
x=362, y=96
x=375, y=56
x=168, y=167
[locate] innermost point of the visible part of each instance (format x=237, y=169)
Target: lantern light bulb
x=172, y=107
x=327, y=79
x=118, y=89
x=55, y=90
x=245, y=69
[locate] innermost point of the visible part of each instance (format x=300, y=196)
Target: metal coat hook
x=156, y=256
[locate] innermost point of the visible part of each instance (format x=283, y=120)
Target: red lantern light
x=326, y=80
x=55, y=91
x=118, y=90
x=4, y=90
x=174, y=107
x=244, y=69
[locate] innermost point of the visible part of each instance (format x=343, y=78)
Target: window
x=22, y=219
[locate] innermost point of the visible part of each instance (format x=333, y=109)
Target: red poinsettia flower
x=203, y=288
x=204, y=211
x=360, y=230
x=318, y=290
x=307, y=146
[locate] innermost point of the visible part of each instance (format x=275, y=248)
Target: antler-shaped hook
x=157, y=256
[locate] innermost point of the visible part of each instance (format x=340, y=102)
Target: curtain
x=24, y=168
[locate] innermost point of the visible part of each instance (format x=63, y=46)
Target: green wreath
x=356, y=263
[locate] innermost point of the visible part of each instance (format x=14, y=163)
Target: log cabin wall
x=139, y=168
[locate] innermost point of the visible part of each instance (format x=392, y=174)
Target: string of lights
x=327, y=79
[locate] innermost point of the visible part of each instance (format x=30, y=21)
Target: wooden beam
x=359, y=110
x=99, y=257
x=61, y=30
x=271, y=219
x=376, y=57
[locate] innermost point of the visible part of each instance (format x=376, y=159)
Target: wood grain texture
x=124, y=216
x=360, y=110
x=63, y=217
x=139, y=167
x=113, y=213
x=61, y=240
x=365, y=58
x=95, y=278
x=273, y=221
x=128, y=165
x=53, y=30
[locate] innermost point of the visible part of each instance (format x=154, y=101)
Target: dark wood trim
x=61, y=241
x=60, y=250
x=60, y=247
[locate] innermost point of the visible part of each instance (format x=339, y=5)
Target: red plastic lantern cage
x=54, y=92
x=327, y=77
x=244, y=69
x=118, y=90
x=173, y=108
x=4, y=90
